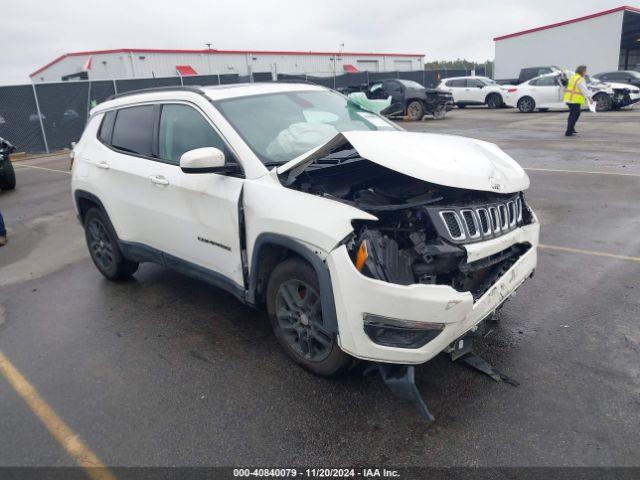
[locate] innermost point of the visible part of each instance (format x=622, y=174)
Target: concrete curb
x=21, y=156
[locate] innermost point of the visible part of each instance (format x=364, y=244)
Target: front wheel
x=7, y=176
x=295, y=310
x=104, y=249
x=603, y=102
x=415, y=110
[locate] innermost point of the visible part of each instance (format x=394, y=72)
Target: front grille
x=504, y=219
x=511, y=208
x=470, y=223
x=479, y=222
x=485, y=225
x=495, y=219
x=452, y=222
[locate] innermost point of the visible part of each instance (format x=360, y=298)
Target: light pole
x=335, y=58
x=209, y=57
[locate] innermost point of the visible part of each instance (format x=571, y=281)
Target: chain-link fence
x=49, y=116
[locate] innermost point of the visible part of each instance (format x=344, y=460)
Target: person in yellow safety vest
x=576, y=96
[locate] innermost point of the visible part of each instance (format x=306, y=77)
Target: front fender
x=327, y=300
x=318, y=222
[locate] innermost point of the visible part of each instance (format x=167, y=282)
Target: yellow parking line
x=589, y=252
x=18, y=167
x=66, y=437
x=583, y=171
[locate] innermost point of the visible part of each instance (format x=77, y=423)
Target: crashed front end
x=437, y=102
x=625, y=95
x=437, y=261
x=408, y=290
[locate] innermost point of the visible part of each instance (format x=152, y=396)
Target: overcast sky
x=35, y=32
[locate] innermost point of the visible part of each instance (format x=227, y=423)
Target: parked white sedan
x=543, y=92
x=474, y=91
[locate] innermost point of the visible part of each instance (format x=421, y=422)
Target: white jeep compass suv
x=360, y=239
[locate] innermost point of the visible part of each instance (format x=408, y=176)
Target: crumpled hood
x=447, y=160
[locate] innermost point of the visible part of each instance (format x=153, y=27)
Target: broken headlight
x=393, y=332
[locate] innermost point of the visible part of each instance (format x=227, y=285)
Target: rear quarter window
x=106, y=127
x=133, y=130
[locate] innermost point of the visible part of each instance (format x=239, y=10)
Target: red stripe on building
x=567, y=22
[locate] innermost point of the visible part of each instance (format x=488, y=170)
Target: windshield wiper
x=339, y=156
x=274, y=163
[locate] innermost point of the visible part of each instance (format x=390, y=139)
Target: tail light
x=511, y=90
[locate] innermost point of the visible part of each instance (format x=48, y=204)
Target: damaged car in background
x=362, y=242
x=406, y=99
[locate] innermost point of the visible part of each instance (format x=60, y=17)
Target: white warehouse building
x=604, y=41
x=144, y=63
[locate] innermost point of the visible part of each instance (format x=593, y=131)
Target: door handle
x=159, y=180
x=103, y=165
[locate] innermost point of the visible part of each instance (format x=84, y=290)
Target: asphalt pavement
x=164, y=370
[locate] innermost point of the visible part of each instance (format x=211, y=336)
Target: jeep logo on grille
x=495, y=184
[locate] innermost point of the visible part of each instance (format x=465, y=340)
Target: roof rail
x=178, y=88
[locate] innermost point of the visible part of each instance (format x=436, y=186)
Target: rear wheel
x=7, y=176
x=415, y=110
x=494, y=100
x=104, y=249
x=526, y=104
x=295, y=310
x=603, y=102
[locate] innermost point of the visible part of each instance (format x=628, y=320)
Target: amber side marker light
x=362, y=256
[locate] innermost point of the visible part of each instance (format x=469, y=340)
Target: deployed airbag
x=360, y=99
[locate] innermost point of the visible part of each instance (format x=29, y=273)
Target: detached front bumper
x=356, y=295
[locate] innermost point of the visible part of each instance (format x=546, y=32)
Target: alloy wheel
x=100, y=244
x=299, y=314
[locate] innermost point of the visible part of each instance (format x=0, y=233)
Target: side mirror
x=202, y=160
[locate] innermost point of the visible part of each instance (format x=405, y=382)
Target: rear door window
x=133, y=130
x=392, y=86
x=460, y=82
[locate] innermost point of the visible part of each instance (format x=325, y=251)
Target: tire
x=603, y=102
x=526, y=104
x=8, y=176
x=415, y=110
x=460, y=105
x=103, y=247
x=494, y=100
x=440, y=112
x=295, y=312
